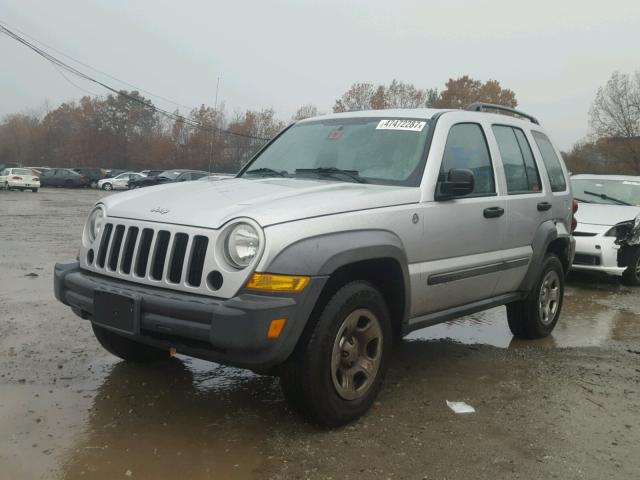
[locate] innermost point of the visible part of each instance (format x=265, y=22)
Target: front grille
x=584, y=234
x=175, y=257
x=584, y=259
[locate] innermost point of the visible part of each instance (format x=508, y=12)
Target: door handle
x=544, y=206
x=493, y=212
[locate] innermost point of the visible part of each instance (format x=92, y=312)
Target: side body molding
x=324, y=254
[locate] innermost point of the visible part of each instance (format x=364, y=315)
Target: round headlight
x=94, y=224
x=242, y=245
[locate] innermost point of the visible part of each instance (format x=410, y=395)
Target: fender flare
x=547, y=232
x=322, y=255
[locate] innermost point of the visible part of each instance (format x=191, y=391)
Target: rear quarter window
x=551, y=162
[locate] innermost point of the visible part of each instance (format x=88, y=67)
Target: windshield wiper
x=604, y=196
x=267, y=171
x=333, y=172
x=581, y=200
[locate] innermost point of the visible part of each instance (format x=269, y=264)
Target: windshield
x=171, y=174
x=607, y=192
x=372, y=150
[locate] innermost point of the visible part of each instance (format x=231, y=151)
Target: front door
x=463, y=237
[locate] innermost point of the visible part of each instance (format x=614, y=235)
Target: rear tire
x=127, y=349
x=537, y=315
x=631, y=275
x=34, y=190
x=338, y=368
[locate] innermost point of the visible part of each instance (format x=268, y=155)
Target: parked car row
x=32, y=178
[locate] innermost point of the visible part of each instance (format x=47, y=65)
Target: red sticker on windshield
x=335, y=134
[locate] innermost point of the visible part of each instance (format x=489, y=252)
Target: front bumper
x=598, y=254
x=229, y=331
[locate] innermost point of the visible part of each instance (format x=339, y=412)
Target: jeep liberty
x=344, y=232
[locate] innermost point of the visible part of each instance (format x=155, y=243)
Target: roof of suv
x=593, y=176
x=426, y=114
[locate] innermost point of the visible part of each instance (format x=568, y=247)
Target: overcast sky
x=285, y=53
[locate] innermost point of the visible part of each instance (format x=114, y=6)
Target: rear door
x=462, y=237
x=528, y=202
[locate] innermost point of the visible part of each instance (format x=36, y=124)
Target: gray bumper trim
x=232, y=331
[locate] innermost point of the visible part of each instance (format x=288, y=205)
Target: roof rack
x=480, y=106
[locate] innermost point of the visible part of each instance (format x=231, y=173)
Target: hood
x=268, y=201
x=597, y=214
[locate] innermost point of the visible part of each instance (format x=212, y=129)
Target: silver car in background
x=608, y=231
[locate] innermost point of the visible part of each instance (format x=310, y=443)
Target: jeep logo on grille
x=160, y=210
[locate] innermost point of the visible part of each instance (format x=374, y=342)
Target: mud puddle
x=597, y=311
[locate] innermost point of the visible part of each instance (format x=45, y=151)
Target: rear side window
x=551, y=162
x=466, y=147
x=519, y=166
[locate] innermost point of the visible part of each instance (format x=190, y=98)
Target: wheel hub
x=549, y=297
x=356, y=354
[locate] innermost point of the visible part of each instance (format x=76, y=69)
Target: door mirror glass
x=459, y=182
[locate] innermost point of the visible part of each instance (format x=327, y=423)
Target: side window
x=551, y=162
x=519, y=166
x=467, y=148
x=65, y=172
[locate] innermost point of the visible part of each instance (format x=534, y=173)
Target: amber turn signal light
x=275, y=327
x=277, y=283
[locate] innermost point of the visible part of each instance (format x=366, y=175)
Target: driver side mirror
x=459, y=182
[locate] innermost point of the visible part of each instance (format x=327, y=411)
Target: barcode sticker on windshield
x=407, y=125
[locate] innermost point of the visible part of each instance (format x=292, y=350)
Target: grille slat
x=160, y=254
x=104, y=244
x=176, y=258
x=128, y=248
x=167, y=257
x=179, y=251
x=197, y=257
x=146, y=243
x=186, y=259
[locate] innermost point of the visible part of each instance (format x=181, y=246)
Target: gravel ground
x=563, y=407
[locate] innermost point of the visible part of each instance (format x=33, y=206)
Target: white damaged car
x=608, y=231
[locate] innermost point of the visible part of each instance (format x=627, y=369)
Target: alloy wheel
x=356, y=354
x=549, y=298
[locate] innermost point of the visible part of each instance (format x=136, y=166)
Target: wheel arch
x=549, y=238
x=376, y=256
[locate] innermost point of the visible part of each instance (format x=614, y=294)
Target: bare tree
x=615, y=114
x=305, y=111
x=358, y=97
x=465, y=90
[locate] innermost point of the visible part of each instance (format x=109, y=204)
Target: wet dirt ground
x=564, y=407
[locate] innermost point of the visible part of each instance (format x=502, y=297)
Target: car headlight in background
x=241, y=245
x=94, y=225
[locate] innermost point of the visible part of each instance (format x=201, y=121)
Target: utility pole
x=215, y=119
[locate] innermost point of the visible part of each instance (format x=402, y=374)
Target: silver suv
x=344, y=232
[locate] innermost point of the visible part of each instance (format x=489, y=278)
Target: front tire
x=107, y=187
x=127, y=349
x=536, y=316
x=631, y=275
x=338, y=368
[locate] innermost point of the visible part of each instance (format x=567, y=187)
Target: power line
x=56, y=62
x=177, y=104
